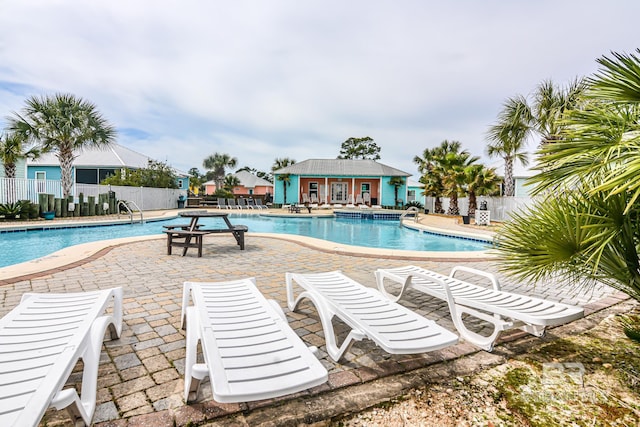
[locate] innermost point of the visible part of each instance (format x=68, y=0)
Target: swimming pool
x=17, y=247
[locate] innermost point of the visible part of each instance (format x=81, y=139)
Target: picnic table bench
x=191, y=235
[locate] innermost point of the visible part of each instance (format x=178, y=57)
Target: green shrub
x=10, y=210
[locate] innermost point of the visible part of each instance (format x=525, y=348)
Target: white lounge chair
x=505, y=310
x=41, y=341
x=394, y=328
x=250, y=351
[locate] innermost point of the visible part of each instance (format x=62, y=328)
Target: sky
x=260, y=80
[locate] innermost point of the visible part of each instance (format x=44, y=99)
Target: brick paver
x=141, y=381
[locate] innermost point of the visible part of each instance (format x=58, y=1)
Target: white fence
x=146, y=198
x=500, y=207
x=14, y=189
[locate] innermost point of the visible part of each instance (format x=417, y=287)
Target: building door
x=41, y=182
x=339, y=192
x=313, y=192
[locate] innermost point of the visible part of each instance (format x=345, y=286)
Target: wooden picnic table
x=181, y=235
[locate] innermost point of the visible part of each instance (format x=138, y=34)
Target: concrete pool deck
x=141, y=374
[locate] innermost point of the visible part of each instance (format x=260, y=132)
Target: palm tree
x=63, y=124
x=587, y=230
x=480, y=181
x=430, y=176
x=230, y=182
x=508, y=138
x=550, y=103
x=282, y=162
x=396, y=182
x=454, y=178
x=286, y=181
x=446, y=164
x=216, y=164
x=13, y=147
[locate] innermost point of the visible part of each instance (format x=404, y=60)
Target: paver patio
x=141, y=374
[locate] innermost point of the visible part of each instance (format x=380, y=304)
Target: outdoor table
x=185, y=233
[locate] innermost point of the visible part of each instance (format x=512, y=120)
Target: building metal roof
x=247, y=179
x=340, y=167
x=110, y=156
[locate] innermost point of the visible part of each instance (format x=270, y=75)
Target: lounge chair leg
x=326, y=316
x=194, y=372
x=81, y=408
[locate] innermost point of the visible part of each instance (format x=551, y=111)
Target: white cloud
x=260, y=80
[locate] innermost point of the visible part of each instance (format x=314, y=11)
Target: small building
x=415, y=192
x=94, y=164
x=250, y=185
x=341, y=181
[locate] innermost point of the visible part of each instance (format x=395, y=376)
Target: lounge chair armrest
x=492, y=277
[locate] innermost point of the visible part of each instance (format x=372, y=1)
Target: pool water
x=17, y=247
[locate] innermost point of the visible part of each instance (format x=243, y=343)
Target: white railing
x=500, y=207
x=15, y=189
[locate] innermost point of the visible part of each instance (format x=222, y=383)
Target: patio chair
x=368, y=313
x=222, y=204
x=505, y=310
x=242, y=202
x=43, y=338
x=250, y=351
x=232, y=204
x=305, y=198
x=359, y=200
x=260, y=205
x=366, y=198
x=251, y=203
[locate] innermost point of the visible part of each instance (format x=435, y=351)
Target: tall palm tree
x=508, y=138
x=480, y=181
x=63, y=124
x=217, y=164
x=587, y=230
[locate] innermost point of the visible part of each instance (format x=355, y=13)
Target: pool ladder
x=125, y=205
x=412, y=210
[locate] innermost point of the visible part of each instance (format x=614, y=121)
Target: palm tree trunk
x=509, y=184
x=65, y=156
x=472, y=203
x=453, y=205
x=438, y=206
